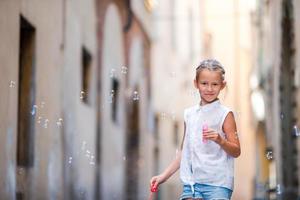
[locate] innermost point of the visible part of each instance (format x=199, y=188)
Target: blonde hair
x=212, y=65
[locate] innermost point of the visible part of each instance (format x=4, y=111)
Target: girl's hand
x=213, y=135
x=156, y=181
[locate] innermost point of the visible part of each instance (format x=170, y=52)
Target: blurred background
x=93, y=93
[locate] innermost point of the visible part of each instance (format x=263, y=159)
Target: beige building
x=76, y=117
x=93, y=94
x=126, y=130
x=48, y=112
x=277, y=74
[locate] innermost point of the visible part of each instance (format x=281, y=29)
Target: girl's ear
x=195, y=83
x=223, y=85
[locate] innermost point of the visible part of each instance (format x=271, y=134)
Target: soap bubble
x=43, y=104
x=59, y=122
x=70, y=160
x=111, y=96
x=124, y=70
x=135, y=96
x=269, y=155
x=34, y=108
x=82, y=94
x=39, y=119
x=296, y=131
x=278, y=189
x=12, y=84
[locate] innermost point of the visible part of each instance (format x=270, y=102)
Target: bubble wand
x=204, y=128
x=153, y=190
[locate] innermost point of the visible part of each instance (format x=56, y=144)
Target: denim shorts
x=205, y=192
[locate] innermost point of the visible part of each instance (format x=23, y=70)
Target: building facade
x=76, y=117
x=125, y=135
x=277, y=77
x=48, y=78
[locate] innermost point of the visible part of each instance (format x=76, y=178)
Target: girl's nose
x=209, y=88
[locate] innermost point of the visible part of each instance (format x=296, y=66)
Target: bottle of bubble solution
x=204, y=128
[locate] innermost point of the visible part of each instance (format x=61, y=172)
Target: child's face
x=209, y=84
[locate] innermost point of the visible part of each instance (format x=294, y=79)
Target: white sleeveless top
x=205, y=163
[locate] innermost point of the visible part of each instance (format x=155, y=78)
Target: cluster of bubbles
x=59, y=122
x=21, y=170
x=70, y=160
x=37, y=111
x=40, y=119
x=86, y=153
x=113, y=72
x=278, y=189
x=135, y=96
x=124, y=70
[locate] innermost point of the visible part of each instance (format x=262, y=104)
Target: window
x=25, y=137
x=156, y=145
x=86, y=60
x=114, y=99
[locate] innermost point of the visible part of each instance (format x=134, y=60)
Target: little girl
x=210, y=142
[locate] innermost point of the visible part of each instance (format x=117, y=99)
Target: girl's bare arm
x=231, y=144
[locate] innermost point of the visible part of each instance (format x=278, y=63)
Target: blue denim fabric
x=205, y=192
